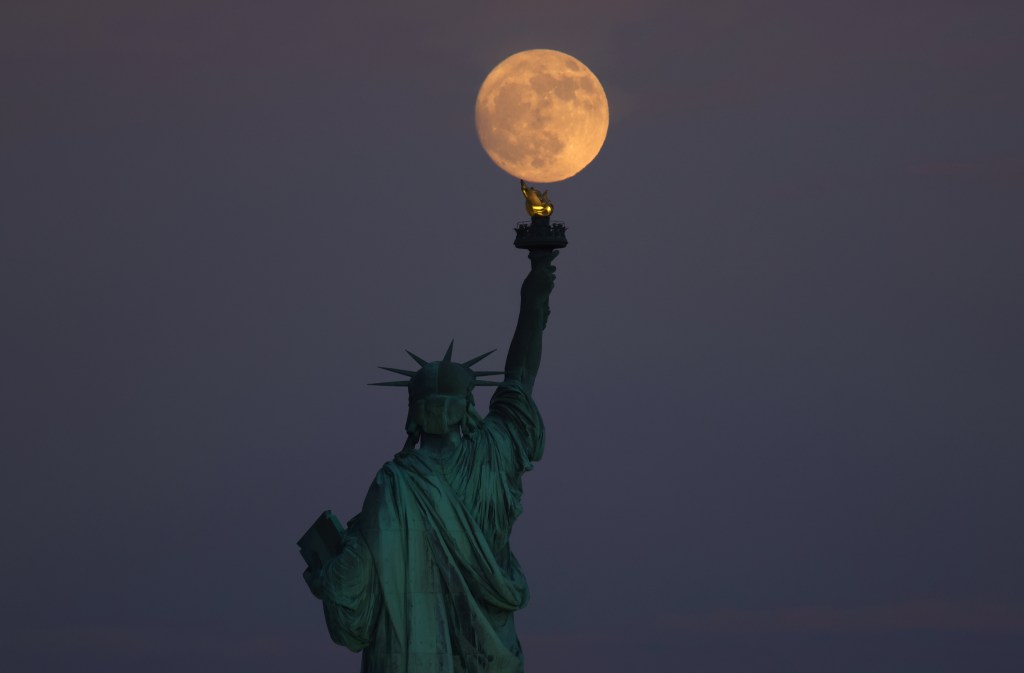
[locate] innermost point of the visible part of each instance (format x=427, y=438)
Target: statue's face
x=438, y=414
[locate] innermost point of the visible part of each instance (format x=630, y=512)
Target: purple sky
x=783, y=376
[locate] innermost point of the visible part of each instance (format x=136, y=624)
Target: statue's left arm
x=524, y=353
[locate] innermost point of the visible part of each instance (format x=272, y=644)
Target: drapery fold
x=426, y=582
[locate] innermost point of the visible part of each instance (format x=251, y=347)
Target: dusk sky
x=783, y=377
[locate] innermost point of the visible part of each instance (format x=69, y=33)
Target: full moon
x=541, y=115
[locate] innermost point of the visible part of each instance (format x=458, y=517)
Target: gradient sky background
x=783, y=377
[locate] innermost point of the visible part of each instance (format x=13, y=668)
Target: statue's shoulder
x=410, y=464
x=512, y=397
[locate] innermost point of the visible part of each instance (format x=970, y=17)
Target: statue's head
x=441, y=394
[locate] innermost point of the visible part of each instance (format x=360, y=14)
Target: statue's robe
x=426, y=582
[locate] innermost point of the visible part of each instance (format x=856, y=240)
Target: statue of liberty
x=422, y=580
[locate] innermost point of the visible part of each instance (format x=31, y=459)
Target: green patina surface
x=423, y=579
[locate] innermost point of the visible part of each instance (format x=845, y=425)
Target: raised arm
x=524, y=352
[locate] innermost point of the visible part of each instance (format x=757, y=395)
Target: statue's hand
x=314, y=580
x=541, y=280
x=524, y=352
x=539, y=258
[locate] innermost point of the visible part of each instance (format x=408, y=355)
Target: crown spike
x=403, y=372
x=478, y=358
x=475, y=373
x=448, y=353
x=420, y=361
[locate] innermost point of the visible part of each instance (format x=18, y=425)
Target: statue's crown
x=441, y=377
